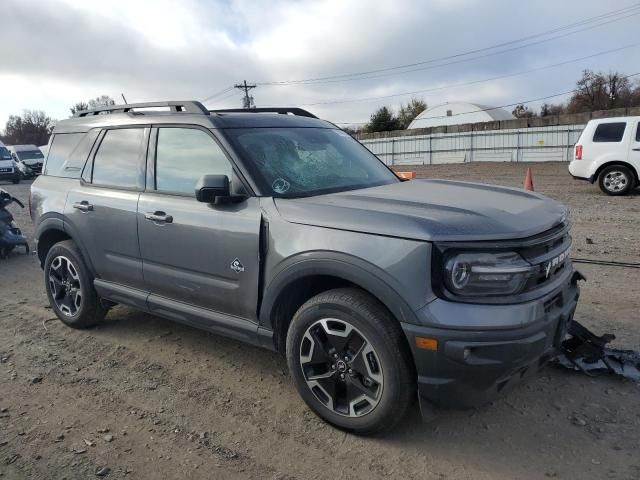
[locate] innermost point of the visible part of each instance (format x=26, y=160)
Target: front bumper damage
x=588, y=353
x=471, y=367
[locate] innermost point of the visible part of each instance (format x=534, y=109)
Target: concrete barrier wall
x=549, y=138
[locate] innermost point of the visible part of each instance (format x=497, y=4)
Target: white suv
x=608, y=151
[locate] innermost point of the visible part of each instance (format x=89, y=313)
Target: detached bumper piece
x=587, y=352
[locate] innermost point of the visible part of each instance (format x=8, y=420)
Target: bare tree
x=522, y=111
x=33, y=127
x=101, y=101
x=599, y=91
x=552, y=109
x=79, y=107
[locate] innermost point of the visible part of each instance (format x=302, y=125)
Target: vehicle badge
x=236, y=266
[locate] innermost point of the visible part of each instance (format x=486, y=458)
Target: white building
x=457, y=113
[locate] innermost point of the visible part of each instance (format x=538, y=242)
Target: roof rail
x=281, y=110
x=190, y=106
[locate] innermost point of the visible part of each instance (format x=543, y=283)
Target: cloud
x=55, y=53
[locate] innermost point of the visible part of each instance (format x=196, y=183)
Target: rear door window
x=119, y=159
x=68, y=153
x=609, y=132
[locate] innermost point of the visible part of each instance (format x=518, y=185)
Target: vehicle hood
x=432, y=210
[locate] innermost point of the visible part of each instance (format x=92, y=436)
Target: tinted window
x=183, y=155
x=291, y=162
x=609, y=132
x=638, y=133
x=68, y=153
x=119, y=157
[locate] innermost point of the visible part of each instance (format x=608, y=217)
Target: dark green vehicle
x=279, y=229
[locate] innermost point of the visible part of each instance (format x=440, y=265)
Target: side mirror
x=212, y=187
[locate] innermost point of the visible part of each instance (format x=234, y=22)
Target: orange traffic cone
x=406, y=175
x=528, y=180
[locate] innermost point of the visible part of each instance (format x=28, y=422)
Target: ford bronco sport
x=279, y=229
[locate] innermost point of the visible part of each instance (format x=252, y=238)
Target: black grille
x=549, y=252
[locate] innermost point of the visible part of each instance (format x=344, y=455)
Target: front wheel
x=69, y=286
x=616, y=180
x=349, y=360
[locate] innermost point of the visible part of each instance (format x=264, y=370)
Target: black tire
x=16, y=180
x=616, y=180
x=376, y=325
x=90, y=310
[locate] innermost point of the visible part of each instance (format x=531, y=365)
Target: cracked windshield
x=296, y=162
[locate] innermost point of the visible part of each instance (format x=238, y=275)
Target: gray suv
x=279, y=229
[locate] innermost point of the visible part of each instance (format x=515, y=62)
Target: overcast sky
x=58, y=52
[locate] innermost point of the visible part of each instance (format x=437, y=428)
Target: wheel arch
x=303, y=280
x=623, y=163
x=53, y=230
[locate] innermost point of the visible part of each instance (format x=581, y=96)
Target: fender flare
x=56, y=221
x=352, y=269
x=50, y=221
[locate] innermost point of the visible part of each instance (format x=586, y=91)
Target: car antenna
x=125, y=100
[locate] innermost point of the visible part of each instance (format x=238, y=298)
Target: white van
x=30, y=155
x=8, y=169
x=608, y=151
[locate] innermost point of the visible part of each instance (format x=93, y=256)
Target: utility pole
x=248, y=99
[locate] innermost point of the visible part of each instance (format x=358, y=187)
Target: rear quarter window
x=68, y=154
x=609, y=132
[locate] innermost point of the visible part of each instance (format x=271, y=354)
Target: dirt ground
x=144, y=398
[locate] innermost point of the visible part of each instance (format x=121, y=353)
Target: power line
x=633, y=10
x=232, y=94
x=495, y=108
x=474, y=82
x=222, y=92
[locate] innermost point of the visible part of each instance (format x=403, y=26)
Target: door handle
x=158, y=217
x=636, y=149
x=83, y=206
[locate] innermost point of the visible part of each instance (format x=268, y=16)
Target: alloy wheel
x=615, y=181
x=64, y=282
x=341, y=367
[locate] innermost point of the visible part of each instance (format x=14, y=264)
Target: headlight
x=479, y=274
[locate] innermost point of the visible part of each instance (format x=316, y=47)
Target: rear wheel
x=69, y=286
x=16, y=180
x=348, y=358
x=616, y=180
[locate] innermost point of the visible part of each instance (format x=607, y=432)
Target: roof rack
x=281, y=110
x=190, y=106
